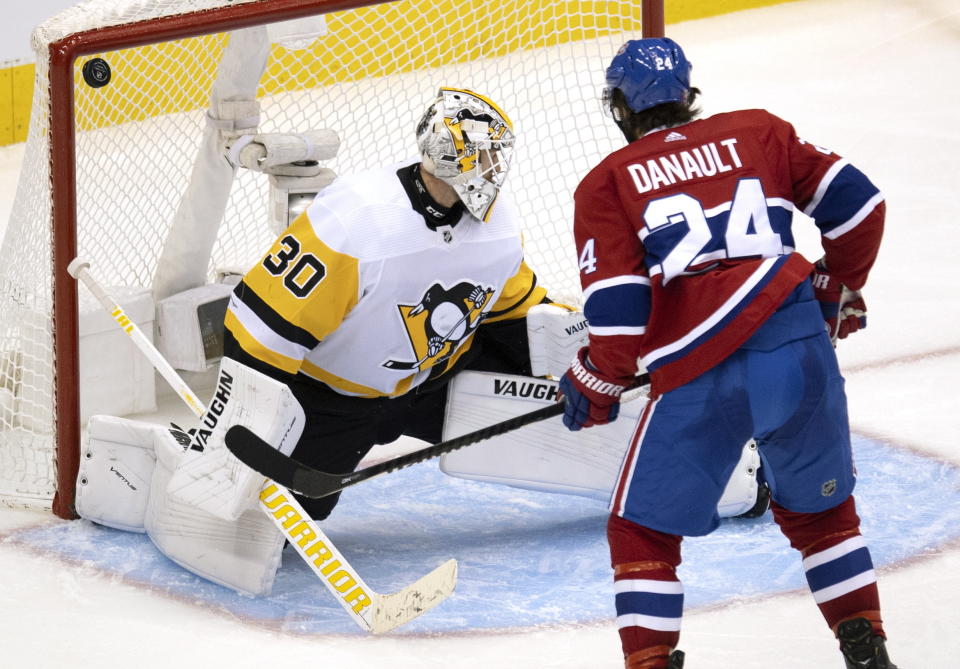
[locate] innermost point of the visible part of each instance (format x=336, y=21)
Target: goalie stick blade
x=399, y=608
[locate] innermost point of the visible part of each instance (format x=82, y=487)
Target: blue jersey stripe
x=722, y=323
x=623, y=305
x=847, y=193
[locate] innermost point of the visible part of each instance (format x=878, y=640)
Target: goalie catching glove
x=591, y=398
x=555, y=333
x=844, y=310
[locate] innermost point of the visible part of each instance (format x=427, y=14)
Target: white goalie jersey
x=318, y=302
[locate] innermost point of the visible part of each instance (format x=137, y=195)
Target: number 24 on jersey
x=742, y=226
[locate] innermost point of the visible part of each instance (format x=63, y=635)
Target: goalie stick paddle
x=314, y=483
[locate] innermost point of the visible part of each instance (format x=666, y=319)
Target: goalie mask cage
x=122, y=98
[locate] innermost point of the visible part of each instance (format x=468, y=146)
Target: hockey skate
x=676, y=660
x=861, y=648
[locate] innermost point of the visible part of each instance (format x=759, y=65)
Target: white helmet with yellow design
x=466, y=141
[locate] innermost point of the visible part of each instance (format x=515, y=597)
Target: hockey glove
x=844, y=310
x=591, y=397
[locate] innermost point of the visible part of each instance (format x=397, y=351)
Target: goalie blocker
x=207, y=476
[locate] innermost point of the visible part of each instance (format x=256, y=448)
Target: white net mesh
x=369, y=78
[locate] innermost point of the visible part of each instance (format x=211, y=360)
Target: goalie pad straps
x=208, y=476
x=740, y=493
x=235, y=118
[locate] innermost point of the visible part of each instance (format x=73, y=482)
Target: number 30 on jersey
x=301, y=271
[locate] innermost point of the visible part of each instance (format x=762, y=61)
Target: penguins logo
x=440, y=321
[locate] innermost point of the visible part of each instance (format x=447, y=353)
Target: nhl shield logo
x=828, y=488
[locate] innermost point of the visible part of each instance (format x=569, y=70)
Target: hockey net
x=107, y=166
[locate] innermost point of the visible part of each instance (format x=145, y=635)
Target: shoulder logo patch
x=674, y=137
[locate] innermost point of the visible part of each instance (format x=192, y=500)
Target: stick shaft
x=140, y=340
x=310, y=482
x=455, y=443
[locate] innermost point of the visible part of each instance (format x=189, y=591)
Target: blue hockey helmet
x=648, y=72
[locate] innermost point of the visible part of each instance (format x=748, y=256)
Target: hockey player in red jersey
x=687, y=261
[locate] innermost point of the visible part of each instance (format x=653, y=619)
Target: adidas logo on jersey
x=674, y=137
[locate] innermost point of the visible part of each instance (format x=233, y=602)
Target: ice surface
x=525, y=558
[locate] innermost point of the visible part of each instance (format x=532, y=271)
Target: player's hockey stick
x=372, y=611
x=309, y=482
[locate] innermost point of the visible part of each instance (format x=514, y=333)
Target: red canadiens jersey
x=686, y=245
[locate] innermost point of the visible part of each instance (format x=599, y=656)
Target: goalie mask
x=465, y=140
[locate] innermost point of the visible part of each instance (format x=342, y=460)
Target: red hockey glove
x=592, y=398
x=843, y=309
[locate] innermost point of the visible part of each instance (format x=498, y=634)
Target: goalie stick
x=314, y=483
x=372, y=611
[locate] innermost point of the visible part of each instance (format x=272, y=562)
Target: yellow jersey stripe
x=517, y=296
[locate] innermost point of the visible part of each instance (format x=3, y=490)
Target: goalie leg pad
x=547, y=457
x=543, y=456
x=208, y=476
x=116, y=467
x=242, y=554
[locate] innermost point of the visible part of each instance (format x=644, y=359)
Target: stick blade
x=399, y=608
x=263, y=458
x=258, y=455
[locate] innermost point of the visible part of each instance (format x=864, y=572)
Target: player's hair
x=635, y=125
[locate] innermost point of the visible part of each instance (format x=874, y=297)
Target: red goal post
x=105, y=166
